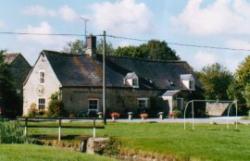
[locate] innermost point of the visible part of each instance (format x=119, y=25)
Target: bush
x=55, y=108
x=33, y=111
x=11, y=132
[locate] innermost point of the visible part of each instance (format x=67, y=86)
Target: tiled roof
x=82, y=70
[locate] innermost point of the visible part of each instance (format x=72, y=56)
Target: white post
x=94, y=128
x=59, y=134
x=236, y=113
x=193, y=115
x=59, y=130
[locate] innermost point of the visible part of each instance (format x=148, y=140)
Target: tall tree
x=153, y=49
x=109, y=47
x=215, y=80
x=10, y=99
x=240, y=89
x=75, y=47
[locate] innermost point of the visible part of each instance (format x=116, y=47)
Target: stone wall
x=117, y=99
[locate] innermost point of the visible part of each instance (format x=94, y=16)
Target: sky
x=223, y=23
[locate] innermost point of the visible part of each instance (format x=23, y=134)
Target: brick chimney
x=91, y=46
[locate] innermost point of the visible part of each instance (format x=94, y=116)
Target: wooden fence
x=59, y=124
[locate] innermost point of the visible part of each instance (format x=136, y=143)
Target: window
x=42, y=75
x=134, y=82
x=143, y=103
x=93, y=104
x=41, y=104
x=191, y=84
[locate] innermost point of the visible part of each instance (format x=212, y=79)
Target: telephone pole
x=104, y=78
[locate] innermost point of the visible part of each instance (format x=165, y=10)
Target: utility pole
x=104, y=78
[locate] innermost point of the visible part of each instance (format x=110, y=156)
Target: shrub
x=33, y=111
x=11, y=132
x=55, y=108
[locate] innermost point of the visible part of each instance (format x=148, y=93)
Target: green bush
x=55, y=108
x=11, y=132
x=33, y=111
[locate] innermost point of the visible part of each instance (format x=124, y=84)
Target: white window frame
x=42, y=104
x=93, y=99
x=136, y=81
x=40, y=78
x=143, y=99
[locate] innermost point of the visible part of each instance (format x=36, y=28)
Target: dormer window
x=131, y=79
x=188, y=81
x=42, y=76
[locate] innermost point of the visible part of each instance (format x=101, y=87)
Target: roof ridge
x=61, y=53
x=148, y=60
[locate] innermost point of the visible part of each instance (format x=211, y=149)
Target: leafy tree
x=109, y=47
x=153, y=49
x=78, y=47
x=215, y=80
x=242, y=75
x=247, y=94
x=75, y=47
x=240, y=89
x=55, y=108
x=10, y=99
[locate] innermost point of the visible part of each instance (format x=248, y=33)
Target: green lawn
x=27, y=152
x=207, y=142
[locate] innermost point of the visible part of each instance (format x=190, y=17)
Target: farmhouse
x=133, y=85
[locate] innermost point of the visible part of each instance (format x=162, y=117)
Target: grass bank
x=28, y=152
x=207, y=142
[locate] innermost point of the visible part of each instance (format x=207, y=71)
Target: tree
x=215, y=80
x=247, y=94
x=75, y=47
x=10, y=99
x=153, y=49
x=109, y=47
x=55, y=108
x=240, y=89
x=242, y=75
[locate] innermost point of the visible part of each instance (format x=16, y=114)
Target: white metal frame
x=231, y=103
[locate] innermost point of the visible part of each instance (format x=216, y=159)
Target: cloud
x=202, y=58
x=219, y=17
x=2, y=24
x=64, y=12
x=32, y=45
x=44, y=28
x=37, y=10
x=67, y=13
x=125, y=16
x=238, y=44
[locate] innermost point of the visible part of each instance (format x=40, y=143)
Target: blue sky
x=223, y=23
